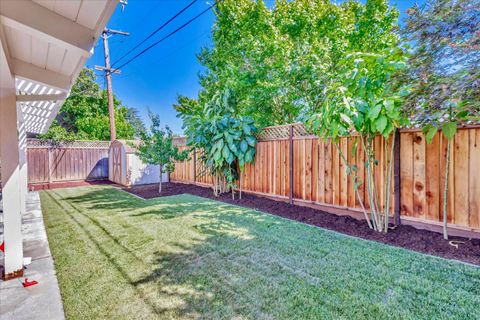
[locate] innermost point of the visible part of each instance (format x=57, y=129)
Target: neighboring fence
x=71, y=161
x=292, y=165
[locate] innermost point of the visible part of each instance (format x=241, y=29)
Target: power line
x=155, y=31
x=168, y=35
x=169, y=54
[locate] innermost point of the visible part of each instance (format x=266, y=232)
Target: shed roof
x=129, y=145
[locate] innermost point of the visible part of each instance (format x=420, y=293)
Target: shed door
x=117, y=164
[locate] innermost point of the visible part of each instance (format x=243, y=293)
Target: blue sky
x=154, y=80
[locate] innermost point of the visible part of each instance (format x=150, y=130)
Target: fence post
x=397, y=179
x=50, y=164
x=290, y=139
x=194, y=166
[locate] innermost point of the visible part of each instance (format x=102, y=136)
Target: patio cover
x=43, y=46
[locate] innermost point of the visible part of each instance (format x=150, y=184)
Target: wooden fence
x=294, y=166
x=73, y=161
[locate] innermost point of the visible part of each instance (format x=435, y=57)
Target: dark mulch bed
x=404, y=236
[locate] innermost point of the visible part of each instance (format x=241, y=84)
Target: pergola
x=43, y=46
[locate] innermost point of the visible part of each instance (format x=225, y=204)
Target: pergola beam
x=49, y=78
x=41, y=97
x=38, y=21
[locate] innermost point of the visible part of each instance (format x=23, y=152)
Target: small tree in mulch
x=361, y=99
x=156, y=148
x=227, y=141
x=444, y=70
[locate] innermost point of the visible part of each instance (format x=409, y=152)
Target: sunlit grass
x=121, y=257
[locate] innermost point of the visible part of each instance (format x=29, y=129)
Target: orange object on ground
x=2, y=247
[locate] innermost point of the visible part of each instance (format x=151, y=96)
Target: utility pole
x=108, y=74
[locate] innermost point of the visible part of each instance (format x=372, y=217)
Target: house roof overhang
x=47, y=42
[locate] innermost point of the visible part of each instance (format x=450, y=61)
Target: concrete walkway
x=42, y=301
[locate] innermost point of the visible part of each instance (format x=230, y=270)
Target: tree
x=57, y=134
x=359, y=95
x=85, y=113
x=444, y=70
x=133, y=118
x=276, y=61
x=156, y=148
x=227, y=142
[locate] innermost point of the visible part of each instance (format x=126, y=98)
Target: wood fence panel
x=474, y=178
x=37, y=165
x=66, y=163
x=319, y=174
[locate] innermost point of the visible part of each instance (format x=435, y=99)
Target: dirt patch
x=404, y=236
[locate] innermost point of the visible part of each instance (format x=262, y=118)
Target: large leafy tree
x=277, y=60
x=444, y=70
x=84, y=115
x=157, y=148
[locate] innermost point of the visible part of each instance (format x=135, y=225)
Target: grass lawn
x=120, y=257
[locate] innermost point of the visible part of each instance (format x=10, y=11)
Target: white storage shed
x=126, y=168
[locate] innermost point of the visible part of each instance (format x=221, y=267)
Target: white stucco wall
x=141, y=173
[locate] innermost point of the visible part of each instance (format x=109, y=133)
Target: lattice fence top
x=179, y=141
x=78, y=144
x=268, y=133
x=283, y=132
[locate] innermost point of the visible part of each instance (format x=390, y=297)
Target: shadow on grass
x=106, y=198
x=177, y=276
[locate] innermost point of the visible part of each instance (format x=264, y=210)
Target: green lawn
x=120, y=257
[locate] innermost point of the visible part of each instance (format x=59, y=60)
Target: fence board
x=433, y=177
x=461, y=178
x=342, y=173
x=419, y=201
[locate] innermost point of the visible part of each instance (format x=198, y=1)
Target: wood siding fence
x=307, y=170
x=78, y=160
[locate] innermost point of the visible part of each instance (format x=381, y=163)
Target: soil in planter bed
x=404, y=236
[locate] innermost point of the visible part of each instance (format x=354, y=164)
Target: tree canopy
x=444, y=66
x=278, y=61
x=84, y=115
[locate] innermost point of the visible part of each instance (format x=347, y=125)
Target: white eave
x=47, y=42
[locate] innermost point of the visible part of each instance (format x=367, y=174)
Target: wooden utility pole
x=108, y=74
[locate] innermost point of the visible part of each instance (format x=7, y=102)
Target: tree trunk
x=160, y=183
